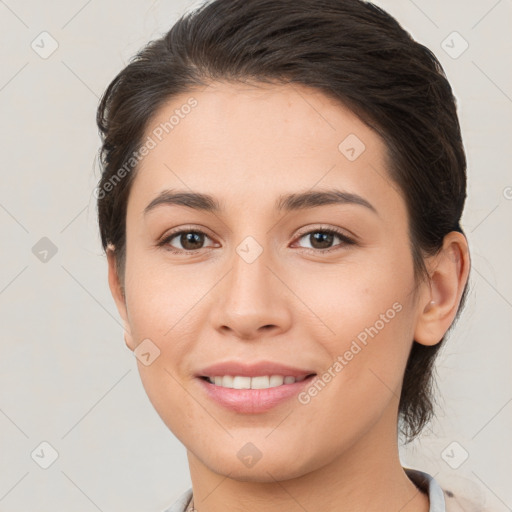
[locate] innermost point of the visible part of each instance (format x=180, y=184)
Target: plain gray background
x=66, y=376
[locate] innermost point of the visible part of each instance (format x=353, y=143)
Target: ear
x=117, y=292
x=440, y=298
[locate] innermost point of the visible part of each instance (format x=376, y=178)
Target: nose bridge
x=250, y=299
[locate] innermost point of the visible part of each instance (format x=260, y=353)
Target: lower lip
x=253, y=401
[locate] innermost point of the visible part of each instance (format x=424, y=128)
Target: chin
x=267, y=469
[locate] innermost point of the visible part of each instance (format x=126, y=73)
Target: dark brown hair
x=350, y=50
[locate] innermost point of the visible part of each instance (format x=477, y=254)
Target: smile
x=258, y=382
x=252, y=395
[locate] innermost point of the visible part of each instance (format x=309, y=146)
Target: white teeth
x=260, y=382
x=241, y=382
x=276, y=380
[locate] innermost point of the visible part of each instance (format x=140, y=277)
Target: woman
x=280, y=203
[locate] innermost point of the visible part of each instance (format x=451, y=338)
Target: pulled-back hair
x=350, y=50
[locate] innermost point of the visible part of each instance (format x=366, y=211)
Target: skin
x=295, y=304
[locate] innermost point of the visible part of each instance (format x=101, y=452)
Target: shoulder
x=455, y=497
x=181, y=504
x=449, y=493
x=463, y=495
x=457, y=503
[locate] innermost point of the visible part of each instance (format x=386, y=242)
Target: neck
x=366, y=477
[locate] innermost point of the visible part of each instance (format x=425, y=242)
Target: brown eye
x=322, y=239
x=185, y=241
x=192, y=240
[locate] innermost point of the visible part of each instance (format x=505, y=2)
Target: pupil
x=323, y=238
x=189, y=239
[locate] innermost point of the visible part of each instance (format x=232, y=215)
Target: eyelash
x=330, y=231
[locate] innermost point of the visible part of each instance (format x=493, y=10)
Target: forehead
x=244, y=141
x=283, y=117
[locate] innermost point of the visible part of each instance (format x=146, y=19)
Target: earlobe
x=438, y=305
x=118, y=295
x=129, y=340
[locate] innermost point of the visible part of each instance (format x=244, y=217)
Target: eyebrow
x=288, y=202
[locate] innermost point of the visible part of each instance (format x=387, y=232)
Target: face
x=321, y=286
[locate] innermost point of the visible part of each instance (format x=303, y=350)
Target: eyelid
x=323, y=227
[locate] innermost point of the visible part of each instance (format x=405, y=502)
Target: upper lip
x=252, y=370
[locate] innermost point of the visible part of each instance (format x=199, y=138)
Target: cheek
x=161, y=300
x=366, y=296
x=161, y=308
x=364, y=324
x=362, y=378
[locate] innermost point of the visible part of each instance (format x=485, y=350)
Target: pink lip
x=252, y=370
x=252, y=401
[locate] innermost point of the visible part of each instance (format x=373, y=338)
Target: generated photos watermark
x=357, y=345
x=157, y=135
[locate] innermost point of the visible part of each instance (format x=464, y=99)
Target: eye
x=190, y=240
x=321, y=239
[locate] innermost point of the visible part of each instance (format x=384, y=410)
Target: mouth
x=258, y=394
x=256, y=382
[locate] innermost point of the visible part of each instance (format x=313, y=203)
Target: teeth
x=260, y=382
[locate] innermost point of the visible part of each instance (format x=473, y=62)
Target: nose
x=252, y=299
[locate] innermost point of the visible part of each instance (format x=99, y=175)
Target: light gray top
x=422, y=480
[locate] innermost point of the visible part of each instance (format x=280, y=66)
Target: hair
x=350, y=50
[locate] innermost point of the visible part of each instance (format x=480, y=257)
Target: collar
x=422, y=480
x=430, y=487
